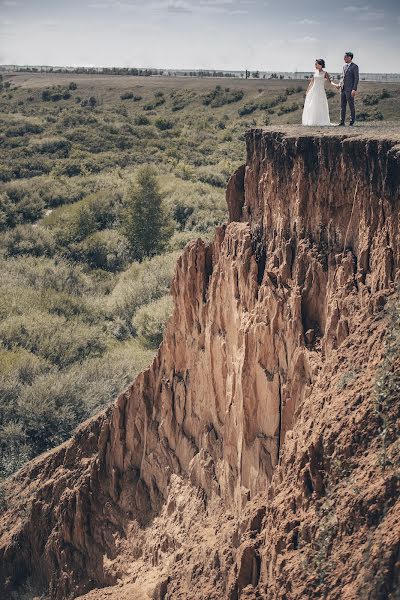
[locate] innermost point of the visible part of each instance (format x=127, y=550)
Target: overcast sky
x=201, y=34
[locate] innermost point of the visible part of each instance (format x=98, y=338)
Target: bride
x=316, y=110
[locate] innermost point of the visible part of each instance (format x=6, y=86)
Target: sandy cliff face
x=257, y=456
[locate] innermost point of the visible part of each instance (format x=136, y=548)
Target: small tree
x=146, y=224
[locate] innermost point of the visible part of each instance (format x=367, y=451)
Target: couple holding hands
x=316, y=110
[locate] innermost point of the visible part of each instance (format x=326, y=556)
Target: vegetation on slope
x=90, y=233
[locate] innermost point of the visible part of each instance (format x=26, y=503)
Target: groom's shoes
x=341, y=124
x=351, y=123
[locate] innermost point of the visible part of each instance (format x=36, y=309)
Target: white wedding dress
x=316, y=110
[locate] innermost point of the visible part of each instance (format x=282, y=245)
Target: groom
x=348, y=85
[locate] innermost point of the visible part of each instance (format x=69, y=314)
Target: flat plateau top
x=372, y=131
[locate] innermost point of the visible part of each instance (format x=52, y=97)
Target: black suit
x=348, y=82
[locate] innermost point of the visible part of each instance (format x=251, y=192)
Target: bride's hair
x=321, y=62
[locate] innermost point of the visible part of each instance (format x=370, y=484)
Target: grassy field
x=78, y=316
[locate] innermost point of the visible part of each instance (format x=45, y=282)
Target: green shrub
x=141, y=120
x=149, y=321
x=371, y=99
x=180, y=239
x=58, y=146
x=158, y=101
x=106, y=249
x=22, y=365
x=219, y=97
x=55, y=339
x=210, y=176
x=26, y=239
x=163, y=124
x=23, y=129
x=14, y=449
x=248, y=109
x=8, y=212
x=288, y=109
x=48, y=274
x=127, y=96
x=140, y=284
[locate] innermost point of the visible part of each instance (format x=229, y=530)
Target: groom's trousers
x=347, y=98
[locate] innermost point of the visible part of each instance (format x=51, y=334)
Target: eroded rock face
x=230, y=441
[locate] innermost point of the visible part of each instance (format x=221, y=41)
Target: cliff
x=257, y=456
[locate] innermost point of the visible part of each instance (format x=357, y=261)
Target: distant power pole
x=247, y=74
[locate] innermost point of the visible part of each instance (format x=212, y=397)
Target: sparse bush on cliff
x=149, y=321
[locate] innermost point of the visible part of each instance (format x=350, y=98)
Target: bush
x=26, y=239
x=52, y=337
x=248, y=109
x=44, y=274
x=141, y=120
x=106, y=249
x=163, y=124
x=127, y=96
x=219, y=97
x=288, y=109
x=14, y=449
x=159, y=100
x=149, y=321
x=72, y=86
x=8, y=212
x=140, y=284
x=371, y=99
x=210, y=176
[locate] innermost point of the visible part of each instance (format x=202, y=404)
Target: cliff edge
x=257, y=456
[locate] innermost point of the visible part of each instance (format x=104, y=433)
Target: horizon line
x=38, y=66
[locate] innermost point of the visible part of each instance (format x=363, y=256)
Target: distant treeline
x=139, y=72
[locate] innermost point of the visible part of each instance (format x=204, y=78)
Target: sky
x=282, y=35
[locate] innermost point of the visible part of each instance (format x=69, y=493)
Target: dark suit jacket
x=349, y=81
